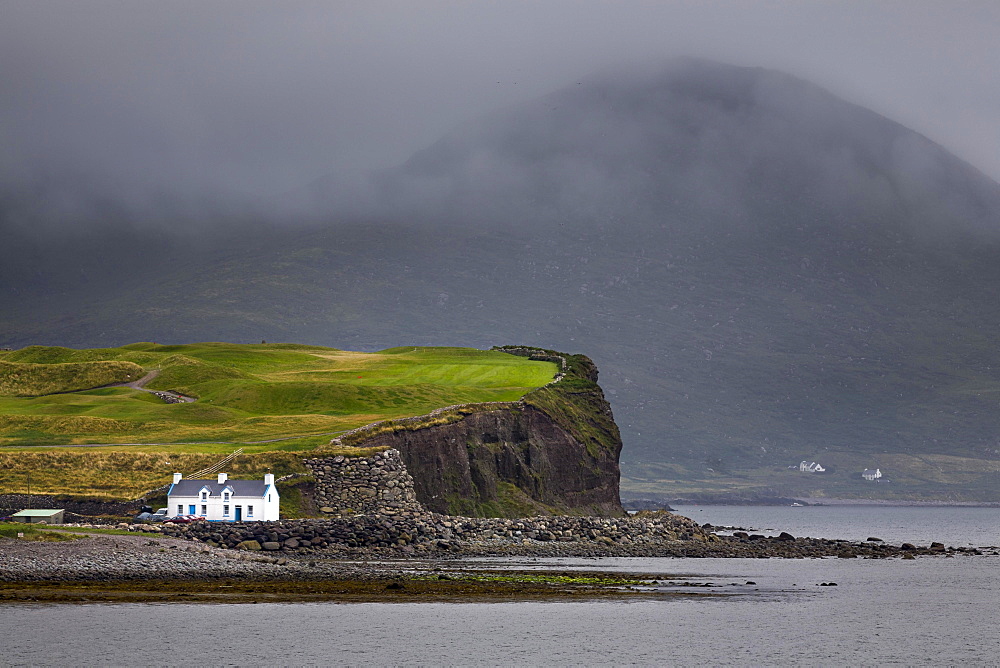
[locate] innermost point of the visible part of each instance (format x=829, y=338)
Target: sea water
x=927, y=611
x=955, y=526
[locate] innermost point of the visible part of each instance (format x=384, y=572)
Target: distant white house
x=871, y=474
x=224, y=500
x=810, y=467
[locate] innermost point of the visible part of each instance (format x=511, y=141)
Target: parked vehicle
x=184, y=519
x=147, y=515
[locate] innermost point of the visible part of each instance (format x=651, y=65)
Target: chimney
x=268, y=478
x=223, y=477
x=177, y=478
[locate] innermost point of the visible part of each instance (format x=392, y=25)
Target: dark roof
x=191, y=487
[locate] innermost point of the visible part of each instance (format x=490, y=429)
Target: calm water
x=951, y=525
x=929, y=611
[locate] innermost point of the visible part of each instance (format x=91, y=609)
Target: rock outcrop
x=554, y=452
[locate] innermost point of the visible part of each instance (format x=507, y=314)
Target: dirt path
x=141, y=383
x=166, y=395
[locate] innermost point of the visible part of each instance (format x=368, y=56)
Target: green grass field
x=245, y=394
x=33, y=533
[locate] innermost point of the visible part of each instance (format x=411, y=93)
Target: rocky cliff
x=554, y=452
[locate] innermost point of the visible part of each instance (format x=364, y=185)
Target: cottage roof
x=192, y=487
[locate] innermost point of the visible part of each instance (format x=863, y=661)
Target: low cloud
x=195, y=107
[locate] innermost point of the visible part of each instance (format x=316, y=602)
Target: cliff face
x=554, y=452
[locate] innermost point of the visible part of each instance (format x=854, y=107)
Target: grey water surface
x=955, y=526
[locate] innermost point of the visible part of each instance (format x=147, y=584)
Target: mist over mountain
x=692, y=145
x=763, y=272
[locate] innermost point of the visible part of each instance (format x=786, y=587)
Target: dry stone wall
x=379, y=484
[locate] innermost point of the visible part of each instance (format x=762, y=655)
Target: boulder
x=248, y=545
x=271, y=545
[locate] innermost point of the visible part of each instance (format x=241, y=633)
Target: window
x=225, y=510
x=204, y=496
x=204, y=510
x=249, y=511
x=180, y=508
x=225, y=496
x=269, y=498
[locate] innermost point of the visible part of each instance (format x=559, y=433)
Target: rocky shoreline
x=423, y=534
x=324, y=548
x=413, y=556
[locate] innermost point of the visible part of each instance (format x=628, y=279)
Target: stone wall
x=379, y=484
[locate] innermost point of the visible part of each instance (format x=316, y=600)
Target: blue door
x=239, y=513
x=191, y=510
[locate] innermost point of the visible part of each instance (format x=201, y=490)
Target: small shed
x=47, y=515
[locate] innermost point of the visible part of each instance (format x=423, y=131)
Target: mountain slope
x=764, y=273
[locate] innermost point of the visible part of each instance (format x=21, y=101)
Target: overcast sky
x=249, y=97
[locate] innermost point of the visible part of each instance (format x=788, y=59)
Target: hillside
x=765, y=273
x=276, y=401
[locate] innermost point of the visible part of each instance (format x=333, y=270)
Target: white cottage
x=224, y=500
x=870, y=474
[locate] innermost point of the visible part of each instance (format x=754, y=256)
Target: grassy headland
x=274, y=400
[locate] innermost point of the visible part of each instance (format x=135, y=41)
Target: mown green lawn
x=257, y=392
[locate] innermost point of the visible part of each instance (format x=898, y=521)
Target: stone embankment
x=658, y=534
x=378, y=484
x=422, y=532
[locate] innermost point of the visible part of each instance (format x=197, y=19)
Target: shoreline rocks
x=377, y=546
x=419, y=533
